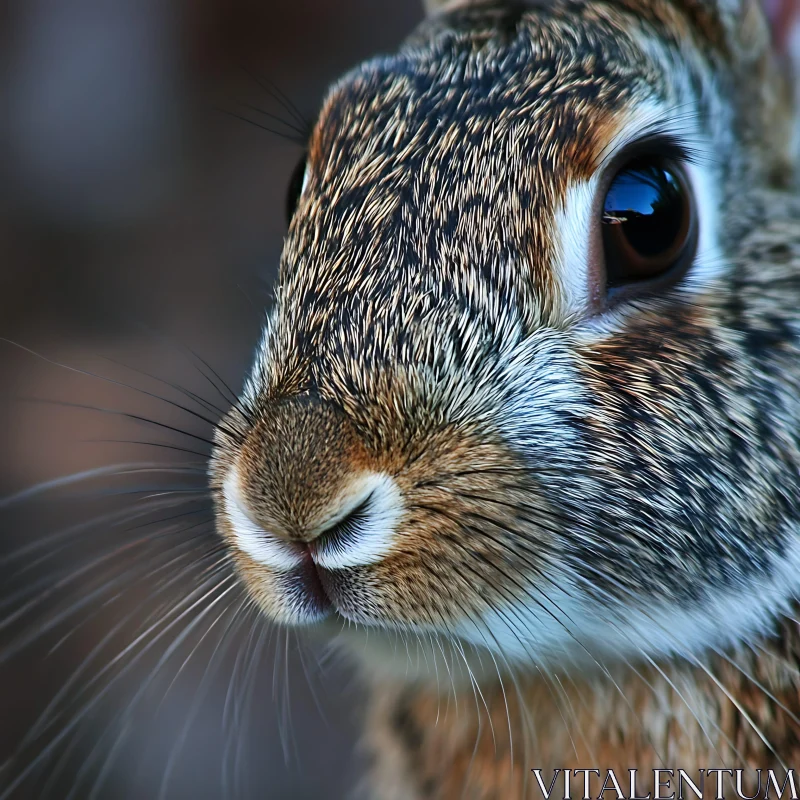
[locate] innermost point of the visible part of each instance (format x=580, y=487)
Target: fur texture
x=588, y=504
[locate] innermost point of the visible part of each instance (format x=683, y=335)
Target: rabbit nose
x=305, y=479
x=343, y=530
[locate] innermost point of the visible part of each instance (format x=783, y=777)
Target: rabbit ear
x=784, y=21
x=435, y=6
x=784, y=18
x=432, y=6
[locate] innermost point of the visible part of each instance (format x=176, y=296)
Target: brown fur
x=666, y=717
x=548, y=446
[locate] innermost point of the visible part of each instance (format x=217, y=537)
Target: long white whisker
x=87, y=475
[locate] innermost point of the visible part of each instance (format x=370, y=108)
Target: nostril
x=359, y=529
x=364, y=533
x=346, y=532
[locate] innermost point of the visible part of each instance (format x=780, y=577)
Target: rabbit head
x=531, y=378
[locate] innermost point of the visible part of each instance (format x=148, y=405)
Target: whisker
x=740, y=709
x=85, y=600
x=539, y=603
x=76, y=477
x=117, y=413
x=113, y=382
x=176, y=345
x=112, y=517
x=201, y=401
x=49, y=719
x=273, y=91
x=125, y=518
x=296, y=139
x=107, y=764
x=67, y=729
x=176, y=577
x=200, y=693
x=143, y=443
x=274, y=117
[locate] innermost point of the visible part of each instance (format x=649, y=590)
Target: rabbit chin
x=566, y=632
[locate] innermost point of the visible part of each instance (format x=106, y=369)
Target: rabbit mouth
x=318, y=575
x=310, y=585
x=316, y=593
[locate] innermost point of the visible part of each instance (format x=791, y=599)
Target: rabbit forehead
x=721, y=23
x=437, y=183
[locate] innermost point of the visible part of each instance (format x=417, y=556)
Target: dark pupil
x=645, y=222
x=648, y=203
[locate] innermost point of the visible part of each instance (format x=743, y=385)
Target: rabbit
x=522, y=432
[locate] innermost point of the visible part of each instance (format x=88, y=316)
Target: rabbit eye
x=649, y=225
x=297, y=184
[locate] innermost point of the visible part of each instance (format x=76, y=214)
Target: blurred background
x=140, y=231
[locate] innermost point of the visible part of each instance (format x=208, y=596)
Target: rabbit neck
x=732, y=711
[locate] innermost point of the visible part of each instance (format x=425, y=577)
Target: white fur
x=709, y=264
x=559, y=626
x=544, y=389
x=263, y=547
x=255, y=380
x=575, y=221
x=374, y=537
x=370, y=543
x=437, y=6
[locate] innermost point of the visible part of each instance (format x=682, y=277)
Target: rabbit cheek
x=680, y=459
x=424, y=591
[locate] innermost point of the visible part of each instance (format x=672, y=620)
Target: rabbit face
x=471, y=414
